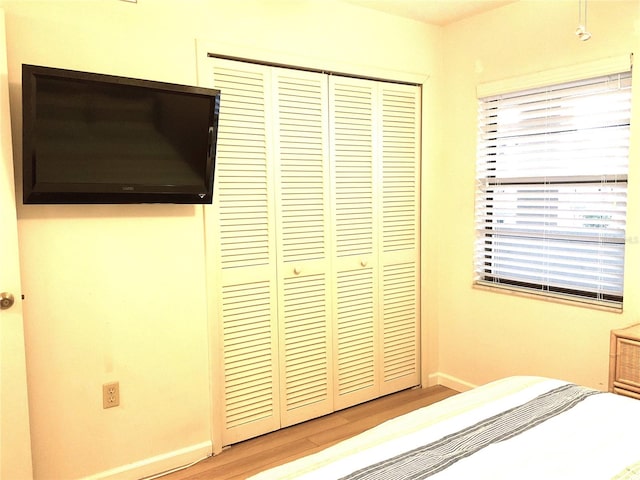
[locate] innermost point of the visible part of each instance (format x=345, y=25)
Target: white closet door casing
x=241, y=226
x=354, y=150
x=303, y=206
x=399, y=252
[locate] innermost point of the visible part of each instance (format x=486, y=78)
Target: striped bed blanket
x=518, y=427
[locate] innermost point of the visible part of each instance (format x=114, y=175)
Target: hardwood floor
x=247, y=458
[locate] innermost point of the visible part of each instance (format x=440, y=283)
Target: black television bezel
x=95, y=193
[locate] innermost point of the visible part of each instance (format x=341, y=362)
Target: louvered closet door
x=303, y=206
x=354, y=150
x=399, y=249
x=241, y=227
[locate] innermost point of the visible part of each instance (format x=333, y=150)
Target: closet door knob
x=363, y=263
x=296, y=270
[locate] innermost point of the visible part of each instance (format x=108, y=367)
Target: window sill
x=548, y=297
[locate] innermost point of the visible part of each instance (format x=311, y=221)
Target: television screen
x=93, y=138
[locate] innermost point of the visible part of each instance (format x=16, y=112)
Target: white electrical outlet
x=110, y=395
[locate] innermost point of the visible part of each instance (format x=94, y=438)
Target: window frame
x=484, y=265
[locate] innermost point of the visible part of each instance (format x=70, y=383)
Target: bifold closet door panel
x=354, y=150
x=312, y=243
x=303, y=203
x=400, y=236
x=241, y=231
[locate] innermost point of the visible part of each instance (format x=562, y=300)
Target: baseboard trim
x=439, y=378
x=155, y=466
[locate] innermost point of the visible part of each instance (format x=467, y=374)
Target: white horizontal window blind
x=551, y=189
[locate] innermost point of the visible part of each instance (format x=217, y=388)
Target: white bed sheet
x=598, y=438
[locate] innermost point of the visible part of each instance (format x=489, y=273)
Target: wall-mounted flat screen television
x=94, y=138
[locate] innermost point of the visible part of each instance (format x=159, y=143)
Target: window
x=551, y=189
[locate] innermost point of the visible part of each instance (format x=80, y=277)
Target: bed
x=515, y=428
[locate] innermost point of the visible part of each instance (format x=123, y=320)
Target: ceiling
x=437, y=12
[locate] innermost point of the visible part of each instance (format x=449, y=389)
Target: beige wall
x=118, y=292
x=485, y=335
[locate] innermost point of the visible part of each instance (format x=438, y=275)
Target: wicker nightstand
x=624, y=361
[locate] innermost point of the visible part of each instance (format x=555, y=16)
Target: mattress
x=518, y=427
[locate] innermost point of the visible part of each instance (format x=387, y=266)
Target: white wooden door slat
x=242, y=166
x=356, y=332
x=400, y=328
x=303, y=244
x=305, y=353
x=354, y=152
x=248, y=340
x=242, y=213
x=400, y=236
x=400, y=167
x=302, y=156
